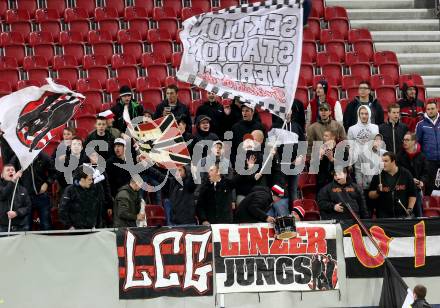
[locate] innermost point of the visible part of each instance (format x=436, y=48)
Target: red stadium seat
x=28, y=83
x=362, y=41
x=9, y=71
x=227, y=3
x=310, y=207
x=195, y=104
x=131, y=42
x=58, y=5
x=72, y=44
x=150, y=90
x=387, y=63
x=114, y=84
x=107, y=19
x=87, y=5
x=155, y=215
x=92, y=90
x=66, y=68
x=188, y=12
x=350, y=82
x=434, y=202
x=318, y=8
x=96, y=67
x=330, y=65
x=125, y=66
x=13, y=45
x=36, y=67
x=118, y=5
x=137, y=18
x=307, y=70
x=166, y=19
x=309, y=44
x=102, y=43
x=29, y=5
x=204, y=5
x=415, y=78
x=85, y=121
x=359, y=65
x=338, y=19
x=161, y=42
x=307, y=185
x=63, y=82
x=176, y=58
x=430, y=212
x=49, y=21
x=379, y=80
x=386, y=96
x=77, y=19
x=175, y=5
x=315, y=26
x=147, y=4
x=19, y=21
x=5, y=88
x=334, y=42
x=42, y=44
x=344, y=102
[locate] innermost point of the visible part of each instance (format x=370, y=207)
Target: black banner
x=410, y=244
x=157, y=262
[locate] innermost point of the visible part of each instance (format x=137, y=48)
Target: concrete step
x=433, y=92
x=419, y=58
x=421, y=69
x=409, y=47
x=406, y=36
x=387, y=14
x=372, y=4
x=397, y=25
x=431, y=81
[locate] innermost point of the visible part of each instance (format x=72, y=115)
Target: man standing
x=321, y=97
x=110, y=117
x=419, y=293
x=394, y=189
x=134, y=108
x=128, y=204
x=22, y=206
x=364, y=98
x=393, y=130
x=101, y=134
x=428, y=136
x=80, y=206
x=171, y=105
x=203, y=133
x=364, y=130
x=411, y=107
x=117, y=176
x=315, y=132
x=334, y=198
x=255, y=206
x=214, y=110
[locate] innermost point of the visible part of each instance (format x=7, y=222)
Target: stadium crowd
x=388, y=180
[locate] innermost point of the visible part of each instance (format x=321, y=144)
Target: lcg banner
x=252, y=51
x=249, y=259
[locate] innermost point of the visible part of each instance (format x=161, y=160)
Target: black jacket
x=253, y=208
x=69, y=159
x=39, y=172
x=234, y=117
x=108, y=137
x=351, y=116
x=179, y=111
x=215, y=202
x=420, y=303
x=183, y=209
x=417, y=165
x=239, y=130
x=393, y=135
x=22, y=203
x=298, y=116
x=334, y=193
x=117, y=176
x=215, y=111
x=199, y=136
x=80, y=207
x=134, y=109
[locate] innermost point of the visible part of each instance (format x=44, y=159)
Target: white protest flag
x=29, y=117
x=252, y=51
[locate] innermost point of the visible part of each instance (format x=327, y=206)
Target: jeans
x=167, y=206
x=280, y=208
x=41, y=203
x=292, y=188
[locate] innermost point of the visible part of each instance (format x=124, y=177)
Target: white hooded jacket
x=360, y=132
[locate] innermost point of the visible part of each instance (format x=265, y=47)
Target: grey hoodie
x=360, y=132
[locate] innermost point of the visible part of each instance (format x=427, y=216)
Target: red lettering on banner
x=259, y=241
x=360, y=249
x=244, y=241
x=316, y=242
x=227, y=248
x=419, y=244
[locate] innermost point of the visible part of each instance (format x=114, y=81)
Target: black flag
x=395, y=292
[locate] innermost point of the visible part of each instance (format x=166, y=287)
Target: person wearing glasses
x=364, y=98
x=411, y=158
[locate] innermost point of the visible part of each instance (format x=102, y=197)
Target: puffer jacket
x=411, y=110
x=254, y=207
x=80, y=207
x=428, y=135
x=126, y=207
x=22, y=203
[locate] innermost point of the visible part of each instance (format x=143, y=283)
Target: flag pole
x=273, y=148
x=12, y=205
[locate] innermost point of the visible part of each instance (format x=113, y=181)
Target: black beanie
x=324, y=84
x=125, y=90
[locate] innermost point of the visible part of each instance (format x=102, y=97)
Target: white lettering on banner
x=161, y=280
x=130, y=282
x=253, y=52
x=201, y=284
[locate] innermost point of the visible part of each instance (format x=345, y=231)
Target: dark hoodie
x=415, y=163
x=179, y=110
x=254, y=207
x=215, y=111
x=134, y=109
x=334, y=193
x=411, y=110
x=202, y=135
x=350, y=114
